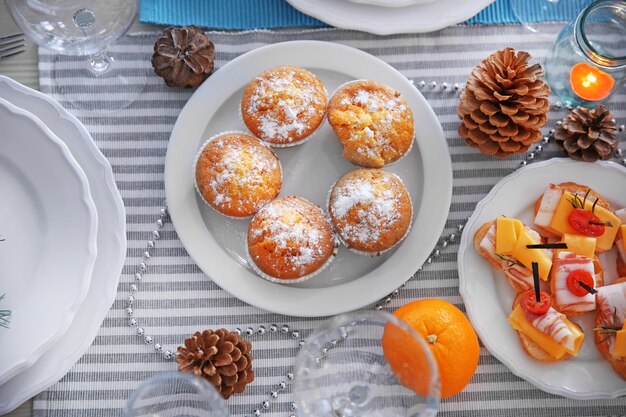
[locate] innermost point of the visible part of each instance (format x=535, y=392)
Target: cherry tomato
x=531, y=305
x=579, y=219
x=574, y=279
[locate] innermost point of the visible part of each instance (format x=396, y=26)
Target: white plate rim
x=392, y=3
x=113, y=261
x=90, y=246
x=180, y=192
x=520, y=365
x=390, y=20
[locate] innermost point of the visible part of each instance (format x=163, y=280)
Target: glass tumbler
x=587, y=63
x=366, y=364
x=71, y=29
x=176, y=394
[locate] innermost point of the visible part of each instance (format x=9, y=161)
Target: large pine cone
x=588, y=135
x=504, y=104
x=220, y=356
x=184, y=57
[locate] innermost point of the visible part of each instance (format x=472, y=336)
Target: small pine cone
x=184, y=57
x=221, y=357
x=504, y=104
x=588, y=135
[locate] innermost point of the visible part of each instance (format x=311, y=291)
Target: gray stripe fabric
x=176, y=298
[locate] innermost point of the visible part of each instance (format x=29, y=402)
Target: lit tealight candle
x=590, y=83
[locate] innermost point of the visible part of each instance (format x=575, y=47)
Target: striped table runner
x=176, y=298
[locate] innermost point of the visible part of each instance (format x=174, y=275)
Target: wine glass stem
x=100, y=63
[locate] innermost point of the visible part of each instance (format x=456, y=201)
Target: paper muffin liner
x=412, y=141
x=362, y=252
x=287, y=281
x=289, y=144
x=195, y=163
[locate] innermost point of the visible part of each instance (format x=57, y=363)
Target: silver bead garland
x=444, y=243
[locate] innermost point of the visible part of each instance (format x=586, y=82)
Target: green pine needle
x=5, y=316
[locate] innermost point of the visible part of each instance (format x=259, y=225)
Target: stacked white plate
x=62, y=223
x=387, y=17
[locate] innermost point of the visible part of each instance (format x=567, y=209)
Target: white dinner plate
x=417, y=18
x=49, y=222
x=111, y=243
x=391, y=3
x=488, y=296
x=217, y=244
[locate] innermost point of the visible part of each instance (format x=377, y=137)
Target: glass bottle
x=587, y=62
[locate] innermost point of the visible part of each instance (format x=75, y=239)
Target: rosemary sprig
x=593, y=207
x=5, y=316
x=512, y=261
x=586, y=195
x=606, y=223
x=576, y=201
x=610, y=329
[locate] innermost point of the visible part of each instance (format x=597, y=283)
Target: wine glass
x=176, y=394
x=83, y=28
x=530, y=12
x=366, y=364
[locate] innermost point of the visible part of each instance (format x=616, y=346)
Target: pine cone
x=504, y=104
x=588, y=135
x=184, y=56
x=220, y=356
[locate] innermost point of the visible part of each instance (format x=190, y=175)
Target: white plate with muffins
x=260, y=226
x=388, y=17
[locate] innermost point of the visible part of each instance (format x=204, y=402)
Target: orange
x=451, y=339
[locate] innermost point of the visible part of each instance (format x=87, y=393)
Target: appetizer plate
x=416, y=18
x=488, y=296
x=217, y=243
x=49, y=224
x=111, y=243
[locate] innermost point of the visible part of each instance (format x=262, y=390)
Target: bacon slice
x=514, y=271
x=565, y=264
x=553, y=324
x=611, y=301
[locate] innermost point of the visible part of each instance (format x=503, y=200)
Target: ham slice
x=611, y=301
x=512, y=270
x=553, y=324
x=565, y=264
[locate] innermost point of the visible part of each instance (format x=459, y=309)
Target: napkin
x=272, y=14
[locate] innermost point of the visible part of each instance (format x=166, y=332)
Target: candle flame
x=588, y=80
x=590, y=83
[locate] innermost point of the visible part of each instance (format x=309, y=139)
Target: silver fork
x=11, y=45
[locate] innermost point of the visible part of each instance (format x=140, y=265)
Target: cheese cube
x=561, y=225
x=582, y=245
x=527, y=256
x=622, y=229
x=506, y=235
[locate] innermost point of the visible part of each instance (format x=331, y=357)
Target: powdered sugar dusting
x=373, y=207
x=372, y=114
x=239, y=174
x=284, y=104
x=288, y=226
